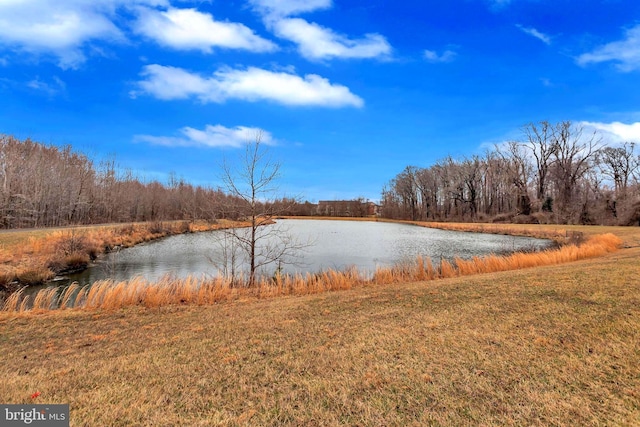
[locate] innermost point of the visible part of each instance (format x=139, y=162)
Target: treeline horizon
x=557, y=173
x=48, y=186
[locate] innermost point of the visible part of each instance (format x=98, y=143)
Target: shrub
x=156, y=228
x=76, y=261
x=71, y=243
x=7, y=275
x=525, y=219
x=56, y=264
x=632, y=216
x=184, y=227
x=126, y=230
x=543, y=217
x=34, y=275
x=502, y=218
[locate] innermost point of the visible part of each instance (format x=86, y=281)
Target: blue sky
x=346, y=93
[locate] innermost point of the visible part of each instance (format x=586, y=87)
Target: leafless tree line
x=557, y=173
x=45, y=185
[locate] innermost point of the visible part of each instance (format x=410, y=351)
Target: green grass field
x=553, y=345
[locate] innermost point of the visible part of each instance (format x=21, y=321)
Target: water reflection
x=335, y=245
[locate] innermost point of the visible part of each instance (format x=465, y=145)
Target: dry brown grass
x=544, y=231
x=552, y=345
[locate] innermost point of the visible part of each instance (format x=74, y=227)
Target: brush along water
x=193, y=290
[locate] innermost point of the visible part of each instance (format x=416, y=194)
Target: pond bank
x=565, y=235
x=36, y=256
x=321, y=245
x=109, y=295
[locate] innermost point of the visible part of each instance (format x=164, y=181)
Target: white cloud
x=317, y=42
x=546, y=82
x=252, y=84
x=535, y=33
x=446, y=56
x=282, y=8
x=174, y=83
x=314, y=41
x=60, y=28
x=53, y=88
x=211, y=136
x=616, y=132
x=190, y=29
x=497, y=5
x=626, y=52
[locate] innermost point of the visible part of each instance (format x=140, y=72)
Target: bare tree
x=517, y=169
x=466, y=185
x=252, y=186
x=619, y=164
x=427, y=184
x=540, y=143
x=405, y=186
x=573, y=153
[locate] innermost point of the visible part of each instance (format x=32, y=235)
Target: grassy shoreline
x=34, y=256
x=107, y=294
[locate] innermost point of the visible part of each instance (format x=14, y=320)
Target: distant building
x=347, y=208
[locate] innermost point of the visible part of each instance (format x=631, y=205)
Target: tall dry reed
x=12, y=303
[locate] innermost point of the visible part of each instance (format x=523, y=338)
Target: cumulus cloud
x=56, y=27
x=190, y=29
x=173, y=83
x=212, y=136
x=625, y=53
x=64, y=29
x=535, y=33
x=433, y=56
x=616, y=132
x=282, y=8
x=316, y=42
x=251, y=84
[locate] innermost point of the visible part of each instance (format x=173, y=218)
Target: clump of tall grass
x=7, y=275
x=12, y=303
x=45, y=299
x=110, y=295
x=33, y=274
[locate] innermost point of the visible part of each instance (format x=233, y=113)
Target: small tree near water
x=252, y=183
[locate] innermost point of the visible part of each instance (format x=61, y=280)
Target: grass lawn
x=554, y=345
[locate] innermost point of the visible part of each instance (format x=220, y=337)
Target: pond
x=325, y=245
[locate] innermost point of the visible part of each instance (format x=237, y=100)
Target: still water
x=334, y=245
